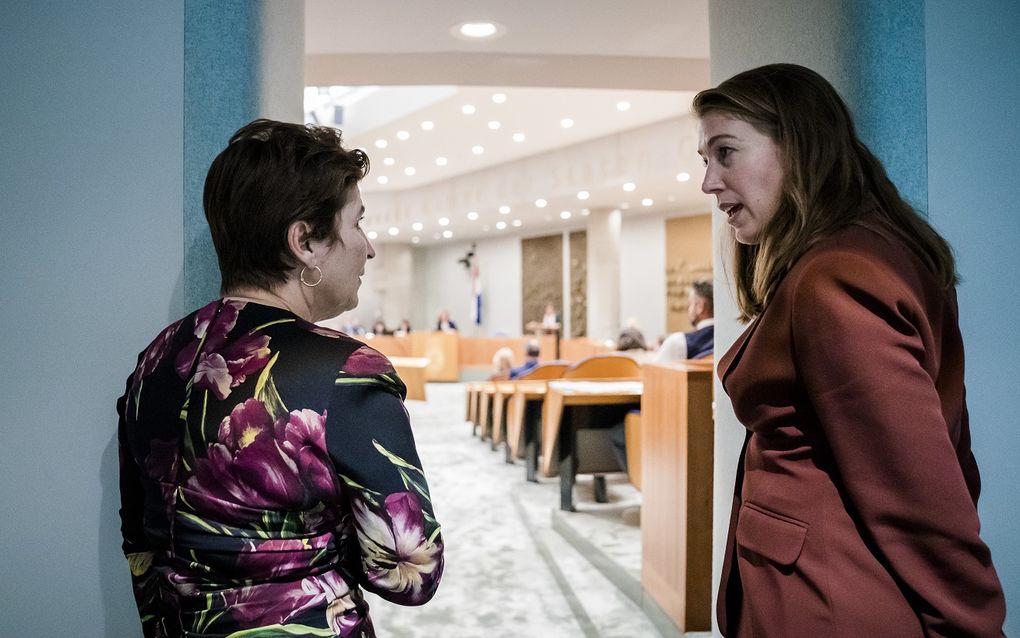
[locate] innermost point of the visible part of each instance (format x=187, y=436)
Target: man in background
x=530, y=361
x=700, y=342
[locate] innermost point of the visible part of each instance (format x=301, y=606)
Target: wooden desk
x=412, y=372
x=441, y=349
x=522, y=425
x=676, y=490
x=562, y=395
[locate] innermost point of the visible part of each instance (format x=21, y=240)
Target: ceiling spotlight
x=389, y=161
x=372, y=234
x=541, y=203
x=564, y=214
x=494, y=125
x=518, y=137
x=623, y=105
x=382, y=179
x=477, y=150
x=504, y=210
x=427, y=125
x=381, y=143
x=683, y=177
x=481, y=30
x=499, y=98
x=517, y=223
x=417, y=226
x=629, y=186
x=409, y=171
x=415, y=239
x=500, y=225
x=403, y=135
x=566, y=122
x=647, y=201
x=468, y=109
x=444, y=221
x=585, y=212
x=583, y=195
x=440, y=161
x=447, y=234
x=472, y=215
x=393, y=231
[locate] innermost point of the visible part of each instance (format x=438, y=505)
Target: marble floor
x=516, y=565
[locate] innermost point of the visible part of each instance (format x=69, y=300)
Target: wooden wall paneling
x=541, y=276
x=688, y=258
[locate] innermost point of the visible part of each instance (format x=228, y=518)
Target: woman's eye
x=723, y=152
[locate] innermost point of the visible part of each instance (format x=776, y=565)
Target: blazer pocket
x=778, y=538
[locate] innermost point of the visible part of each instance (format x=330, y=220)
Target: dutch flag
x=476, y=297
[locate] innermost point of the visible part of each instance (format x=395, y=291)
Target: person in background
x=379, y=328
x=531, y=353
x=268, y=472
x=502, y=363
x=444, y=323
x=855, y=502
x=403, y=329
x=550, y=319
x=700, y=342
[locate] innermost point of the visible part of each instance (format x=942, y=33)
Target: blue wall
x=973, y=66
x=91, y=256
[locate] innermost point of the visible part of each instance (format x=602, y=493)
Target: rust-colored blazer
x=854, y=512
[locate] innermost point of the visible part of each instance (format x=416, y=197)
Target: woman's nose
x=712, y=183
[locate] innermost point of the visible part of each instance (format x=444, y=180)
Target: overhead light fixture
x=415, y=239
x=629, y=186
x=389, y=161
x=504, y=210
x=468, y=109
x=447, y=234
x=444, y=221
x=623, y=105
x=499, y=98
x=585, y=212
x=472, y=215
x=564, y=214
x=583, y=195
x=417, y=226
x=477, y=150
x=428, y=125
x=477, y=30
x=541, y=203
x=567, y=122
x=494, y=125
x=409, y=171
x=440, y=161
x=381, y=143
x=500, y=225
x=683, y=177
x=382, y=179
x=403, y=135
x=518, y=137
x=517, y=223
x=372, y=234
x=393, y=231
x=648, y=201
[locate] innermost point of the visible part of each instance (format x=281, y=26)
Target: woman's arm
x=868, y=347
x=369, y=437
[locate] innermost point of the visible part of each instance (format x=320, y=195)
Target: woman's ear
x=299, y=243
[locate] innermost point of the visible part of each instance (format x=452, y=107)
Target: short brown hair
x=831, y=179
x=270, y=175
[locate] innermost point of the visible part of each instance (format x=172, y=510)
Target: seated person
x=444, y=323
x=502, y=364
x=403, y=329
x=700, y=342
x=531, y=353
x=379, y=328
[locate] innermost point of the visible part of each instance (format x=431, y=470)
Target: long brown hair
x=831, y=179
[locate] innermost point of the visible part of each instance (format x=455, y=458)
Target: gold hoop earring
x=318, y=281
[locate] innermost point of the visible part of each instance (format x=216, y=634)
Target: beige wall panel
x=688, y=258
x=541, y=276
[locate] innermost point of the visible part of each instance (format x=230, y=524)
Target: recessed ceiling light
x=541, y=203
x=504, y=210
x=372, y=234
x=472, y=215
x=494, y=125
x=409, y=171
x=648, y=201
x=389, y=161
x=564, y=214
x=403, y=135
x=499, y=98
x=683, y=177
x=566, y=122
x=417, y=226
x=477, y=150
x=500, y=225
x=381, y=143
x=447, y=234
x=415, y=239
x=478, y=30
x=393, y=231
x=382, y=179
x=518, y=137
x=623, y=105
x=585, y=212
x=629, y=186
x=583, y=195
x=440, y=161
x=427, y=125
x=468, y=109
x=444, y=221
x=517, y=223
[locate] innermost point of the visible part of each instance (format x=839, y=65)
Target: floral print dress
x=268, y=476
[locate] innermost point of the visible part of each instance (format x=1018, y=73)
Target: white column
x=604, y=274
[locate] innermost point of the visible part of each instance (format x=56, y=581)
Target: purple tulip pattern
x=254, y=506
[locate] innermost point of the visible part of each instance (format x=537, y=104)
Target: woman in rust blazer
x=854, y=511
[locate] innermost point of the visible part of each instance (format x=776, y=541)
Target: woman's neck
x=275, y=298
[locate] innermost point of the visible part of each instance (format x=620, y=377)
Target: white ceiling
x=564, y=42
